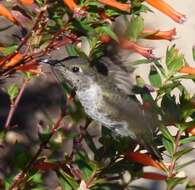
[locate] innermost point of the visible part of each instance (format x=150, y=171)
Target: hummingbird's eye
x=75, y=69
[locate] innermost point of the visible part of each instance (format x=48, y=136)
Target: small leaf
x=90, y=143
x=135, y=27
x=193, y=52
x=66, y=181
x=140, y=81
x=168, y=145
x=174, y=60
x=165, y=132
x=71, y=50
x=181, y=166
x=107, y=186
x=36, y=178
x=154, y=77
x=141, y=61
x=13, y=91
x=173, y=182
x=107, y=30
x=86, y=166
x=180, y=153
x=187, y=140
x=171, y=109
x=8, y=50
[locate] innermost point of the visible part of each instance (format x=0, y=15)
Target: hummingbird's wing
x=120, y=74
x=120, y=70
x=140, y=122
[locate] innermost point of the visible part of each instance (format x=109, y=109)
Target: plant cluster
x=48, y=25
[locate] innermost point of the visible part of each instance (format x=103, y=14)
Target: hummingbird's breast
x=92, y=101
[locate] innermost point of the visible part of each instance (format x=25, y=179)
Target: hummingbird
x=104, y=92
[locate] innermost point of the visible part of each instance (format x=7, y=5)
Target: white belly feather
x=90, y=99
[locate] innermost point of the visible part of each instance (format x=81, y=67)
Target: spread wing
x=119, y=67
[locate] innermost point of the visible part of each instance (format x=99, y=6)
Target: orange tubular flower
x=127, y=44
x=27, y=2
x=167, y=9
x=191, y=130
x=143, y=159
x=159, y=35
x=6, y=13
x=105, y=39
x=14, y=60
x=71, y=5
x=33, y=68
x=188, y=70
x=113, y=3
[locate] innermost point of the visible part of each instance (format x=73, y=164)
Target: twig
x=173, y=163
x=23, y=42
x=14, y=104
x=28, y=167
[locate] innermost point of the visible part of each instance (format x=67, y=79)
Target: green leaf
x=92, y=3
x=160, y=67
x=183, y=77
x=8, y=50
x=44, y=136
x=13, y=91
x=174, y=60
x=181, y=166
x=184, y=126
x=90, y=143
x=166, y=89
x=154, y=77
x=190, y=185
x=187, y=140
x=83, y=27
x=135, y=27
x=107, y=30
x=86, y=166
x=21, y=158
x=173, y=182
x=171, y=109
x=165, y=132
x=193, y=52
x=140, y=81
x=107, y=186
x=66, y=181
x=180, y=153
x=71, y=50
x=37, y=178
x=168, y=145
x=141, y=61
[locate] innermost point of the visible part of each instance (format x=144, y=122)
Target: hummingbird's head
x=74, y=70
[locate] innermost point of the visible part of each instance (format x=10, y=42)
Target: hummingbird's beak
x=52, y=62
x=55, y=62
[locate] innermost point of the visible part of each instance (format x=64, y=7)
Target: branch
x=173, y=163
x=14, y=104
x=23, y=42
x=28, y=167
